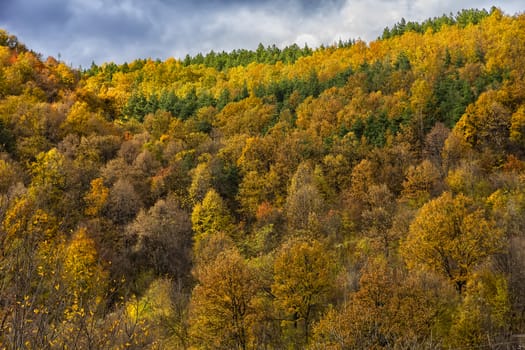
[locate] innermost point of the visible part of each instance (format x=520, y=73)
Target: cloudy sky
x=82, y=31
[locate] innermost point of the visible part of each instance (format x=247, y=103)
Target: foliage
x=360, y=195
x=304, y=278
x=451, y=237
x=462, y=18
x=221, y=306
x=269, y=55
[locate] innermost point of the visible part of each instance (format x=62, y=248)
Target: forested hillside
x=361, y=195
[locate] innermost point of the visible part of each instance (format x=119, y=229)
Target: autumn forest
x=352, y=196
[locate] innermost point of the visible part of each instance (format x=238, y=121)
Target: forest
x=353, y=196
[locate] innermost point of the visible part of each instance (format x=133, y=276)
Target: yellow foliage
x=5, y=53
x=304, y=276
x=486, y=122
x=248, y=116
x=517, y=126
x=451, y=237
x=421, y=183
x=83, y=273
x=66, y=74
x=96, y=198
x=210, y=217
x=483, y=313
x=8, y=175
x=82, y=121
x=221, y=309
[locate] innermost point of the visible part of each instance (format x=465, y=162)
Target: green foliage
x=268, y=55
x=453, y=95
x=463, y=18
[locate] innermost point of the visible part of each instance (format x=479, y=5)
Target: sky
x=80, y=32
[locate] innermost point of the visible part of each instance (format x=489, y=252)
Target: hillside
x=361, y=195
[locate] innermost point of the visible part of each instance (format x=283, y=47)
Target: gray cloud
x=122, y=30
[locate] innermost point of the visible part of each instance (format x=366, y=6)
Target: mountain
x=361, y=195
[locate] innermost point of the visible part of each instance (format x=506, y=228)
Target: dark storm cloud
x=122, y=30
x=305, y=5
x=48, y=12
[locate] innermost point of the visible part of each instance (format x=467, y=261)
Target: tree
x=336, y=168
x=484, y=312
x=451, y=236
x=96, y=198
x=422, y=183
x=507, y=206
x=304, y=199
x=362, y=177
x=378, y=216
x=352, y=327
x=434, y=143
x=123, y=202
x=163, y=239
x=250, y=116
x=469, y=178
x=391, y=309
x=8, y=175
x=255, y=189
x=83, y=271
x=29, y=275
x=81, y=121
x=221, y=307
x=85, y=282
x=421, y=97
x=517, y=126
x=7, y=140
x=304, y=276
x=49, y=179
x=319, y=115
x=200, y=182
x=158, y=124
x=486, y=123
x=209, y=217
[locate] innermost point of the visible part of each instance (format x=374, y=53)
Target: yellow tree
x=484, y=313
x=82, y=121
x=221, y=307
x=84, y=281
x=304, y=277
x=8, y=175
x=256, y=189
x=304, y=199
x=451, y=237
x=320, y=115
x=517, y=127
x=201, y=178
x=421, y=183
x=96, y=198
x=49, y=180
x=83, y=272
x=249, y=116
x=421, y=96
x=390, y=310
x=362, y=178
x=486, y=123
x=209, y=217
x=29, y=270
